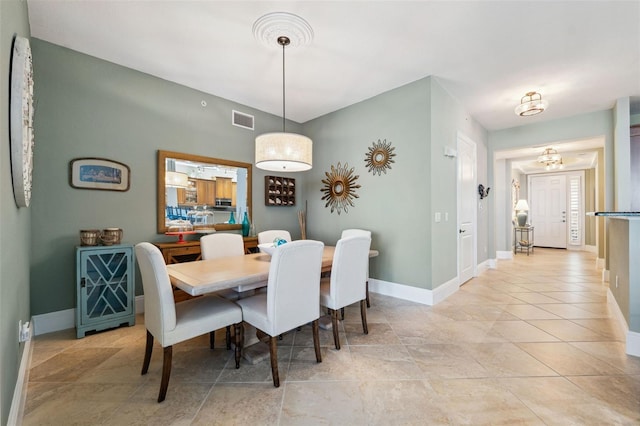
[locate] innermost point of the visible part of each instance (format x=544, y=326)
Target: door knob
x=461, y=231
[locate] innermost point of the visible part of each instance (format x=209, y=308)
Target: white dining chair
x=171, y=322
x=292, y=298
x=355, y=233
x=213, y=246
x=269, y=236
x=218, y=245
x=346, y=285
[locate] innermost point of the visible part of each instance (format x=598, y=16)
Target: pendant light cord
x=283, y=93
x=283, y=41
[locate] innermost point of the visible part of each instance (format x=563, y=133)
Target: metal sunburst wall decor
x=340, y=188
x=380, y=157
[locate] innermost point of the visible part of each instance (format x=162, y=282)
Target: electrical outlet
x=24, y=332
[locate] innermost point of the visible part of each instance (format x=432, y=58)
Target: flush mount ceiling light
x=551, y=159
x=531, y=104
x=282, y=151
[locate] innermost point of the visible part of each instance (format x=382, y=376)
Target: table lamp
x=521, y=212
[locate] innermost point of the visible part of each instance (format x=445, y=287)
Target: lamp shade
x=522, y=205
x=176, y=180
x=284, y=152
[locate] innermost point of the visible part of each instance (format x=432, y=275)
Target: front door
x=467, y=199
x=548, y=212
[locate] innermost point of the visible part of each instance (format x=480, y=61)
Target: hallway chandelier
x=531, y=104
x=551, y=159
x=282, y=151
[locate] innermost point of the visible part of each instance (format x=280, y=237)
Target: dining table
x=242, y=273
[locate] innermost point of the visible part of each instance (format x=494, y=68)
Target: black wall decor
x=484, y=193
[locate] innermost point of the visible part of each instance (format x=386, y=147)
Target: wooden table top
x=207, y=276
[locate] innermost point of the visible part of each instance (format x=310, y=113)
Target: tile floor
x=531, y=342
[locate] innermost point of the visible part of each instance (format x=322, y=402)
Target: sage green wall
x=87, y=107
x=622, y=156
x=15, y=223
x=395, y=205
x=448, y=119
x=419, y=119
x=583, y=126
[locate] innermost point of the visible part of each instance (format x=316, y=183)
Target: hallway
x=531, y=342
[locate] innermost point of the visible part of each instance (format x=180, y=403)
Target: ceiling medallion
x=340, y=188
x=269, y=27
x=379, y=157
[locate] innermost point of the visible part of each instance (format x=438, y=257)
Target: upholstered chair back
x=293, y=288
x=159, y=305
x=349, y=271
x=213, y=246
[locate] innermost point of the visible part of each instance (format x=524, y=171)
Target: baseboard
x=54, y=321
x=486, y=265
x=504, y=255
x=600, y=264
x=401, y=291
x=591, y=249
x=633, y=343
x=62, y=320
x=445, y=290
x=16, y=412
x=632, y=338
x=414, y=294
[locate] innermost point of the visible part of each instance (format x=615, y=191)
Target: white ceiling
x=581, y=56
x=576, y=155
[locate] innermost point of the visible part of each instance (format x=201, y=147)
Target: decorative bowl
x=267, y=248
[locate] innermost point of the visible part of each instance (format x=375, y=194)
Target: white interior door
x=467, y=199
x=548, y=210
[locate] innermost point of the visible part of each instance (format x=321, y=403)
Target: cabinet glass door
x=104, y=283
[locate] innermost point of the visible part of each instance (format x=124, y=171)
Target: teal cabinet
x=105, y=288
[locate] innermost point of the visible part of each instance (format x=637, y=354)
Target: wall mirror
x=209, y=192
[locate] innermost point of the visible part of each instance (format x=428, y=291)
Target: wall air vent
x=242, y=120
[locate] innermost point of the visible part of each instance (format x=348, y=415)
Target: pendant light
x=531, y=104
x=282, y=151
x=176, y=179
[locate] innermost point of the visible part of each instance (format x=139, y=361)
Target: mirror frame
x=162, y=201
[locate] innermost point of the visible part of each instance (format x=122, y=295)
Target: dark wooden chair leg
x=238, y=342
x=334, y=325
x=212, y=339
x=368, y=302
x=147, y=353
x=316, y=340
x=342, y=313
x=363, y=314
x=228, y=336
x=166, y=372
x=273, y=351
